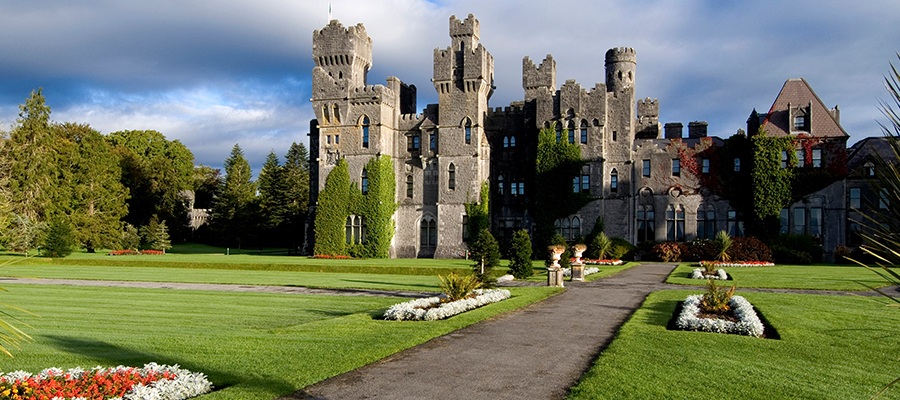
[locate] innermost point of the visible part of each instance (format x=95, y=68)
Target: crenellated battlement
x=621, y=54
x=536, y=76
x=411, y=117
x=648, y=107
x=468, y=27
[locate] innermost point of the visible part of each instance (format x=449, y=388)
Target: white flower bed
x=184, y=385
x=737, y=264
x=698, y=274
x=748, y=322
x=567, y=272
x=413, y=310
x=603, y=262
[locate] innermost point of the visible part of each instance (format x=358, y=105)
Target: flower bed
x=698, y=274
x=567, y=272
x=134, y=253
x=748, y=322
x=153, y=381
x=328, y=257
x=722, y=264
x=427, y=309
x=602, y=262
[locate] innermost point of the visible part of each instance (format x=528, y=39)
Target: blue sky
x=212, y=73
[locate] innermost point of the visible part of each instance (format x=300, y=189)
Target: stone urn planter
x=554, y=271
x=578, y=263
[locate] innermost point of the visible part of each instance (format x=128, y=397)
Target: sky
x=212, y=73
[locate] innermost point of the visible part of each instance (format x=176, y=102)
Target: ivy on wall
x=772, y=185
x=332, y=211
x=477, y=211
x=339, y=199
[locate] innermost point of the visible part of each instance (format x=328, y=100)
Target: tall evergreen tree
x=233, y=212
x=98, y=196
x=296, y=178
x=207, y=183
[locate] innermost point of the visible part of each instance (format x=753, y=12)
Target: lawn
x=252, y=345
x=831, y=347
x=820, y=276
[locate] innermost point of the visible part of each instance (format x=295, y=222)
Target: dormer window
x=800, y=123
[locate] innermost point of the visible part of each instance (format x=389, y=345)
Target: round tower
x=620, y=68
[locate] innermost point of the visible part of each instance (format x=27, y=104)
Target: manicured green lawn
x=251, y=345
x=831, y=347
x=540, y=272
x=821, y=276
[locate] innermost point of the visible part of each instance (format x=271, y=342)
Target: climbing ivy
x=771, y=183
x=477, y=211
x=376, y=206
x=332, y=211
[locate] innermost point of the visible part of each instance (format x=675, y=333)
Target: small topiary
x=486, y=254
x=621, y=249
x=520, y=255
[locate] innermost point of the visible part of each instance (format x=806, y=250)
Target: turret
x=345, y=54
x=540, y=79
x=620, y=68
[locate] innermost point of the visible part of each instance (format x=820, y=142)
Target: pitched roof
x=797, y=93
x=869, y=149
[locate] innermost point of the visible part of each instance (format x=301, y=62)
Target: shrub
x=458, y=287
x=723, y=241
x=803, y=243
x=131, y=239
x=486, y=254
x=703, y=250
x=715, y=301
x=601, y=247
x=842, y=254
x=749, y=249
x=520, y=255
x=60, y=238
x=622, y=249
x=785, y=255
x=645, y=250
x=671, y=252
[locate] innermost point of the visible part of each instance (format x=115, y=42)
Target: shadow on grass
x=432, y=287
x=107, y=354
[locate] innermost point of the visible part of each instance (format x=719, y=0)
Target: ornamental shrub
x=703, y=250
x=458, y=287
x=671, y=252
x=842, y=254
x=715, y=301
x=621, y=249
x=749, y=249
x=600, y=247
x=486, y=254
x=520, y=255
x=60, y=238
x=723, y=241
x=785, y=255
x=800, y=243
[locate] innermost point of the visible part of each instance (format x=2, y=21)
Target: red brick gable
x=796, y=93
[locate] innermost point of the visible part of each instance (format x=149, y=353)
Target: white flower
x=413, y=311
x=698, y=274
x=567, y=272
x=748, y=322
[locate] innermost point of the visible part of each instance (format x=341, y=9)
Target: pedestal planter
x=555, y=277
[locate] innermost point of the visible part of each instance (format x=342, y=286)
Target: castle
x=633, y=173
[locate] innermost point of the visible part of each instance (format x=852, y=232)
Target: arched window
x=451, y=177
x=586, y=178
x=614, y=181
x=576, y=227
x=735, y=226
x=571, y=131
x=409, y=186
x=365, y=182
x=500, y=184
x=706, y=222
x=646, y=219
x=506, y=141
x=675, y=223
x=557, y=226
x=737, y=165
x=428, y=236
x=356, y=229
x=365, y=131
x=584, y=126
x=558, y=128
x=336, y=111
x=325, y=116
x=468, y=131
x=566, y=229
x=512, y=141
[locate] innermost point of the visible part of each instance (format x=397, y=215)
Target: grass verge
x=821, y=277
x=831, y=347
x=251, y=345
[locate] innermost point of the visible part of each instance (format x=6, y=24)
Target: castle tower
x=345, y=54
x=620, y=69
x=463, y=78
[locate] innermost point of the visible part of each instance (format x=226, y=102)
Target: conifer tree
x=233, y=212
x=486, y=254
x=296, y=180
x=60, y=238
x=520, y=255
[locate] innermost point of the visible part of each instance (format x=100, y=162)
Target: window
x=646, y=219
x=558, y=133
x=737, y=165
x=328, y=139
x=356, y=229
x=468, y=131
x=451, y=177
x=735, y=227
x=614, y=181
x=799, y=226
x=675, y=223
x=855, y=198
x=869, y=169
x=337, y=139
x=614, y=136
x=576, y=184
x=428, y=237
x=815, y=221
x=645, y=169
x=336, y=112
x=409, y=186
x=817, y=158
x=883, y=199
x=704, y=165
x=500, y=184
x=584, y=126
x=785, y=221
x=706, y=223
x=506, y=141
x=365, y=182
x=572, y=132
x=512, y=141
x=676, y=167
x=801, y=158
x=800, y=122
x=576, y=228
x=586, y=178
x=412, y=143
x=465, y=228
x=784, y=160
x=365, y=132
x=557, y=227
x=568, y=228
x=432, y=141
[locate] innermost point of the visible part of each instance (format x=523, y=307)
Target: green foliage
x=377, y=206
x=703, y=249
x=715, y=300
x=234, y=213
x=601, y=247
x=796, y=249
x=131, y=238
x=478, y=211
x=622, y=249
x=457, y=287
x=296, y=177
x=551, y=196
x=206, y=184
x=156, y=234
x=771, y=184
x=520, y=265
x=60, y=238
x=23, y=233
x=749, y=249
x=565, y=260
x=723, y=241
x=332, y=211
x=486, y=254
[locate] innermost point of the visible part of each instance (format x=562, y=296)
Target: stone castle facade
x=443, y=154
